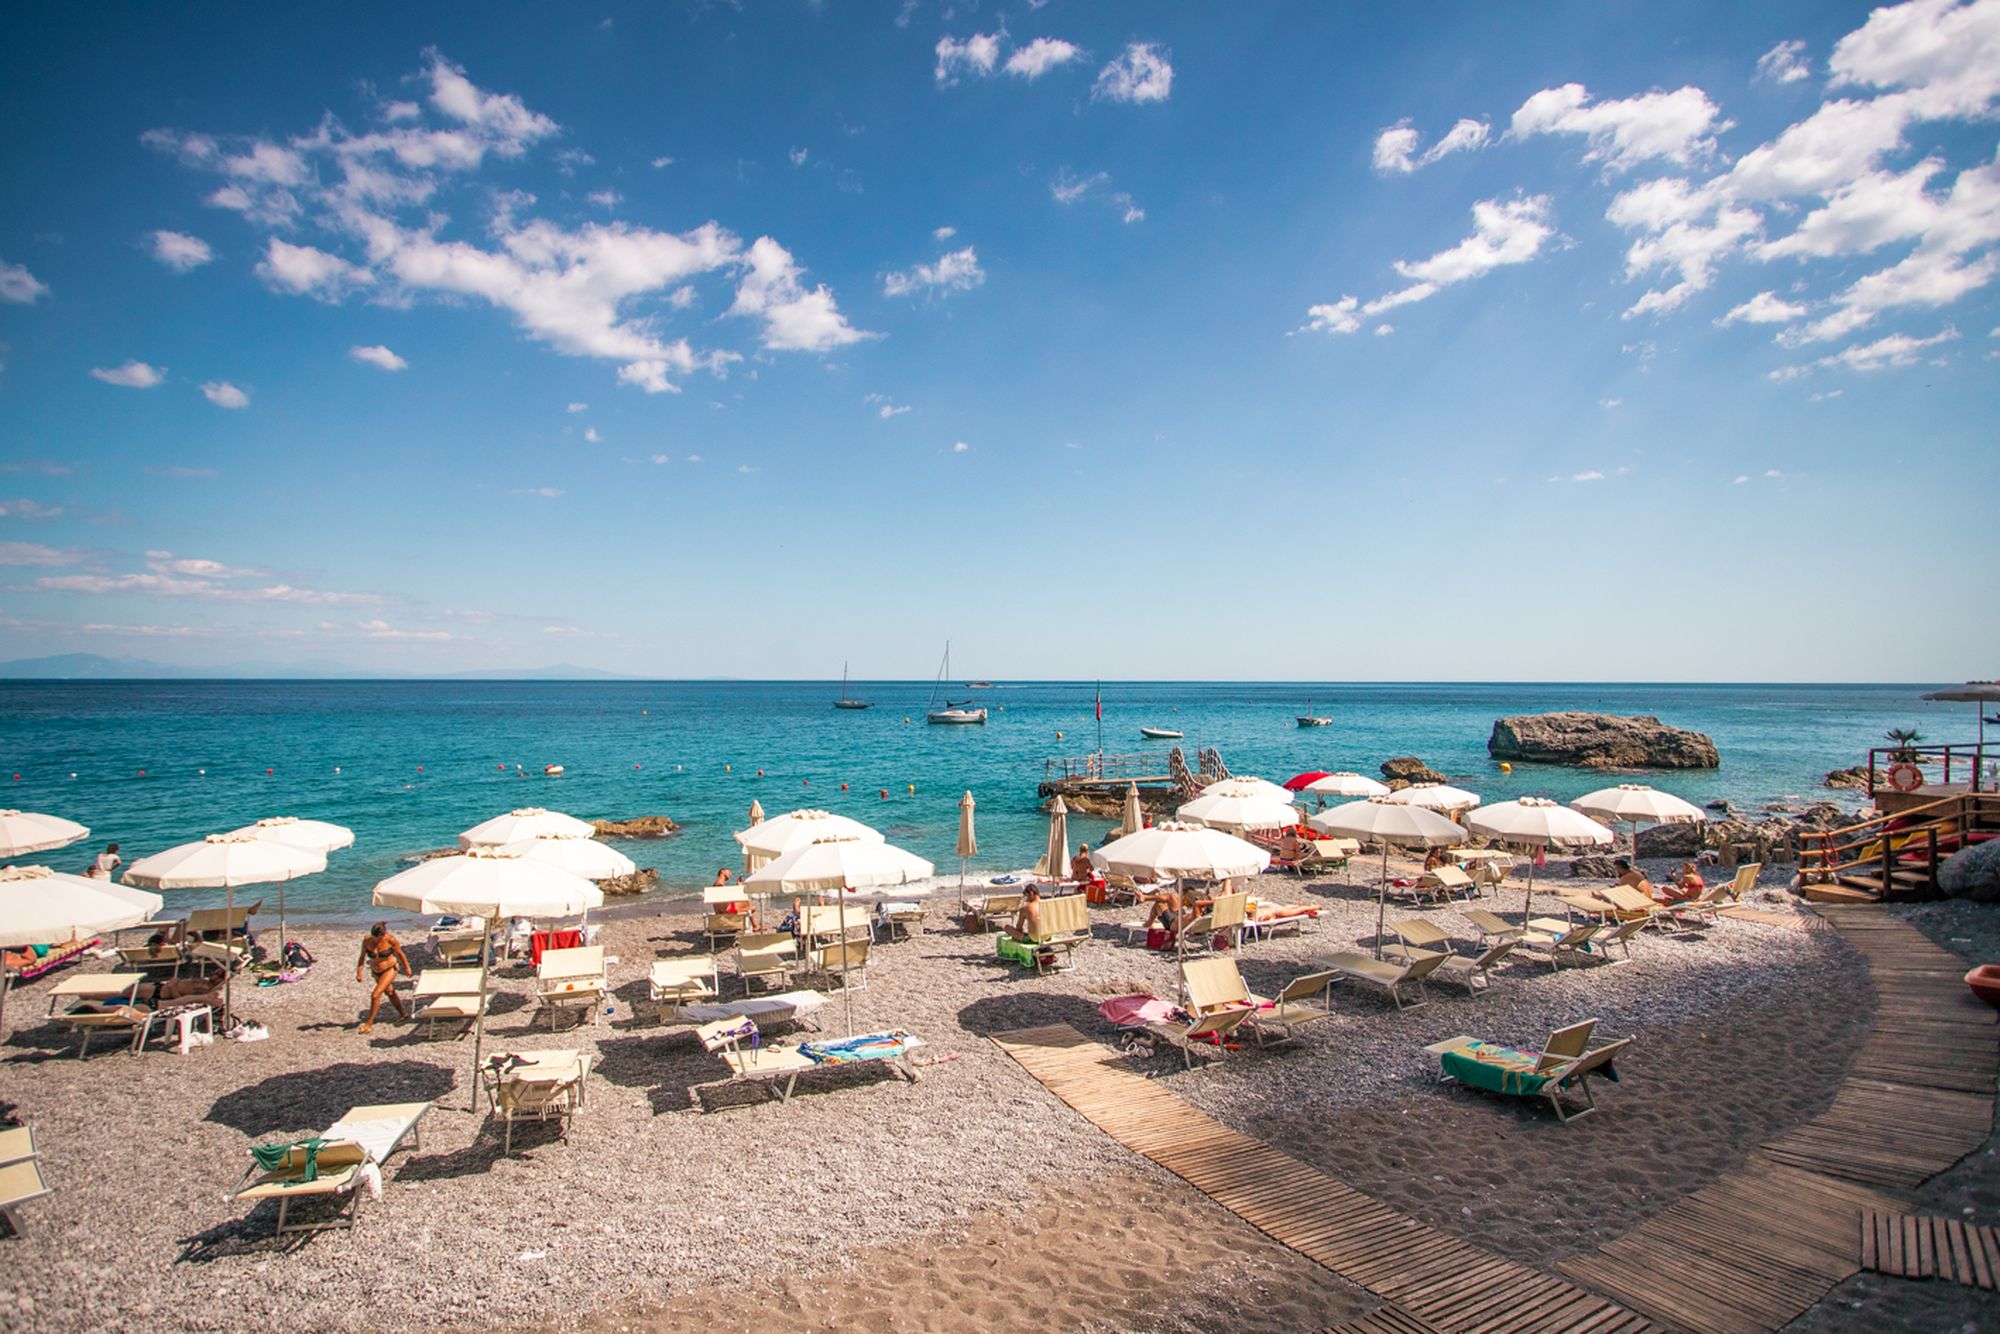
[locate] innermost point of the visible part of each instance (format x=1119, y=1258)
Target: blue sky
x=1122, y=340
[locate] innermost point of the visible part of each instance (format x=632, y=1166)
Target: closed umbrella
x=1435, y=797
x=23, y=832
x=1055, y=858
x=1250, y=811
x=835, y=865
x=1537, y=823
x=527, y=822
x=306, y=835
x=1388, y=823
x=1177, y=849
x=968, y=842
x=43, y=907
x=756, y=811
x=579, y=856
x=1135, y=818
x=1637, y=804
x=224, y=861
x=493, y=884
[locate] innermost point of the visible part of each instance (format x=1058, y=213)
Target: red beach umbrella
x=1297, y=782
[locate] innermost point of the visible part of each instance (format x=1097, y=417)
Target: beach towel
x=271, y=1157
x=567, y=939
x=866, y=1047
x=1497, y=1069
x=1135, y=1011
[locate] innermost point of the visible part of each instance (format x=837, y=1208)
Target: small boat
x=954, y=713
x=978, y=685
x=553, y=770
x=1311, y=719
x=1160, y=734
x=845, y=701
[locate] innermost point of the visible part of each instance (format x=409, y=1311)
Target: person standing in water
x=384, y=953
x=105, y=862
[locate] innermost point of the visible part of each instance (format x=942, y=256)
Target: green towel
x=1496, y=1069
x=271, y=1157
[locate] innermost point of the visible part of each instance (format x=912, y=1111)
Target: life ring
x=1905, y=777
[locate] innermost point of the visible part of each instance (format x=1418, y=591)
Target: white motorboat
x=1160, y=734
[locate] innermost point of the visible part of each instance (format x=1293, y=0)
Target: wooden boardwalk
x=1433, y=1280
x=1751, y=1251
x=1925, y=1246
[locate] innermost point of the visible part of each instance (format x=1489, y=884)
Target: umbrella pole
x=1382, y=901
x=281, y=924
x=479, y=1020
x=5, y=979
x=1180, y=950
x=846, y=996
x=1528, y=906
x=229, y=954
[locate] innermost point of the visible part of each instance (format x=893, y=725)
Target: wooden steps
x=1917, y=1246
x=1849, y=890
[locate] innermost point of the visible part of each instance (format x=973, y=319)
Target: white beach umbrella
x=1388, y=823
x=306, y=835
x=1537, y=823
x=492, y=884
x=43, y=907
x=527, y=822
x=224, y=861
x=778, y=835
x=579, y=856
x=1249, y=811
x=834, y=866
x=1636, y=804
x=1346, y=785
x=968, y=841
x=1134, y=818
x=1175, y=848
x=1435, y=797
x=1055, y=857
x=23, y=832
x=1247, y=786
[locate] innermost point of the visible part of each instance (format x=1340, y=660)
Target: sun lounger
x=1294, y=1007
x=1567, y=1062
x=1701, y=910
x=1471, y=971
x=348, y=1154
x=779, y=1067
x=907, y=918
x=1440, y=885
x=724, y=927
x=151, y=960
x=1417, y=938
x=1620, y=936
x=767, y=956
x=90, y=998
x=536, y=1086
x=784, y=1007
x=1277, y=919
x=821, y=923
x=1492, y=926
x=230, y=924
x=847, y=959
x=982, y=912
x=20, y=1182
x=1474, y=972
x=1208, y=1033
x=1392, y=975
x=571, y=979
x=16, y=1143
x=32, y=962
x=1065, y=924
x=458, y=947
x=674, y=983
x=1559, y=940
x=447, y=996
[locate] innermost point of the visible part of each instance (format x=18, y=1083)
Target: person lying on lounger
x=1292, y=848
x=152, y=995
x=1028, y=921
x=1633, y=878
x=1686, y=884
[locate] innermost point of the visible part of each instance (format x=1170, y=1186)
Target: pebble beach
x=868, y=1202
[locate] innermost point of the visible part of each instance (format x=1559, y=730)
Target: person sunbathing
x=1166, y=910
x=1028, y=920
x=152, y=995
x=1292, y=848
x=1686, y=884
x=1080, y=869
x=1632, y=877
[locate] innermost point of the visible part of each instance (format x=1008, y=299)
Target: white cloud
x=1503, y=232
x=944, y=233
x=1764, y=308
x=401, y=111
x=378, y=356
x=1140, y=73
x=798, y=156
x=1396, y=147
x=19, y=286
x=1592, y=476
x=658, y=458
x=1677, y=126
x=28, y=509
x=694, y=458
x=1883, y=353
x=592, y=436
x=539, y=492
x=225, y=395
x=1826, y=394
x=958, y=271
x=1610, y=404
x=1040, y=56
x=660, y=162
x=501, y=114
x=575, y=408
x=961, y=448
x=888, y=410
x=605, y=198
x=132, y=375
x=304, y=270
x=1784, y=63
x=1691, y=249
x=1866, y=213
x=1068, y=187
x=1338, y=317
x=745, y=469
x=1741, y=478
x=179, y=251
x=34, y=554
x=975, y=55
x=383, y=630
x=1384, y=330
x=169, y=576
x=794, y=318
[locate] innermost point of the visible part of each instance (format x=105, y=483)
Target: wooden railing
x=1966, y=760
x=1881, y=844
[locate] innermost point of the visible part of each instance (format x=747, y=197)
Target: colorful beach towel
x=865, y=1047
x=1497, y=1069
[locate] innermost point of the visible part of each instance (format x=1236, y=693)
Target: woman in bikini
x=384, y=953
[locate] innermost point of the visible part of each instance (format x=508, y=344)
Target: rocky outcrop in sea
x=1600, y=741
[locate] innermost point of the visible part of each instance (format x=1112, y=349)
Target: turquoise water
x=408, y=765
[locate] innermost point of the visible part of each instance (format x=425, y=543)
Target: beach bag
x=296, y=955
x=1158, y=938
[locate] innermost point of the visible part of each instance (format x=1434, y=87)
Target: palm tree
x=1905, y=740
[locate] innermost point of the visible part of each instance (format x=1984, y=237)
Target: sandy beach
x=972, y=1196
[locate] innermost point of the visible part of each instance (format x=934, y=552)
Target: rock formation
x=1407, y=769
x=639, y=826
x=1972, y=874
x=1671, y=840
x=1599, y=741
x=638, y=882
x=1857, y=776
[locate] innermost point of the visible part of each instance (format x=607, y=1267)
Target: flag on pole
x=1100, y=701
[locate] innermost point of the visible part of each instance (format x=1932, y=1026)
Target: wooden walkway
x=1749, y=1252
x=1765, y=917
x=1925, y=1246
x=1434, y=1281
x=1753, y=1250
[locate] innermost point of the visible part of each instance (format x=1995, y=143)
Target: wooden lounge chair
x=1206, y=1033
x=1474, y=972
x=1566, y=1062
x=1701, y=910
x=766, y=957
x=17, y=1143
x=1415, y=938
x=152, y=960
x=906, y=918
x=458, y=947
x=20, y=1181
x=778, y=1067
x=571, y=979
x=447, y=996
x=1620, y=936
x=1559, y=940
x=982, y=912
x=1389, y=974
x=536, y=1086
x=721, y=928
x=366, y=1135
x=1065, y=924
x=684, y=980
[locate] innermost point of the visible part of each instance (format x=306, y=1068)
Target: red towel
x=567, y=939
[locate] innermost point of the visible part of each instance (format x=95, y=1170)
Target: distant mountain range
x=97, y=667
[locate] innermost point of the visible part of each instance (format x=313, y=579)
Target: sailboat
x=1311, y=719
x=953, y=713
x=845, y=701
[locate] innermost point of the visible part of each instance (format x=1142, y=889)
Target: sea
x=409, y=764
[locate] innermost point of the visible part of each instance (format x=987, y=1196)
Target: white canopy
x=831, y=864
x=527, y=822
x=1251, y=810
x=309, y=835
x=579, y=856
x=1347, y=785
x=43, y=907
x=1179, y=850
x=795, y=829
x=1537, y=822
x=1247, y=786
x=1387, y=821
x=1636, y=803
x=23, y=832
x=223, y=861
x=490, y=883
x=1435, y=797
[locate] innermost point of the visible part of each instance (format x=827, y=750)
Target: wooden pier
x=1106, y=777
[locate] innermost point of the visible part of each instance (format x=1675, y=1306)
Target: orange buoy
x=760, y=773
x=885, y=794
x=420, y=769
x=843, y=786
